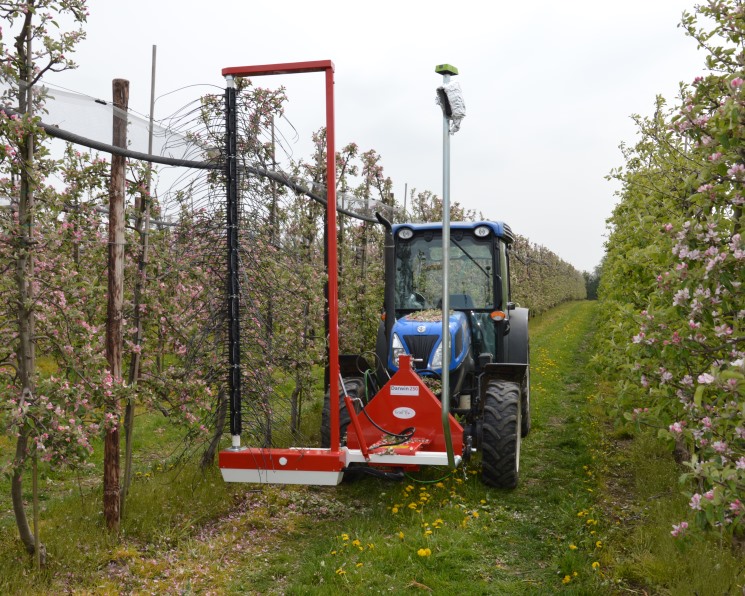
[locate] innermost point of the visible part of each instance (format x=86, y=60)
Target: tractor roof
x=500, y=229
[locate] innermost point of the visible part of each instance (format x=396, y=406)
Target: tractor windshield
x=419, y=272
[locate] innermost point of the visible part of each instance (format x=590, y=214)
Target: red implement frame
x=390, y=406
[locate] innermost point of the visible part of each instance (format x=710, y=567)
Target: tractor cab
x=479, y=300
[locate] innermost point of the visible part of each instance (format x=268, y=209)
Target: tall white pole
x=446, y=71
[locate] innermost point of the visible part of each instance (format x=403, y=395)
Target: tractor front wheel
x=500, y=444
x=355, y=389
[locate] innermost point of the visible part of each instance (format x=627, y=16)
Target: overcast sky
x=549, y=88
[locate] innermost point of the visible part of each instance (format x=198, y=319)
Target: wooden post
x=116, y=299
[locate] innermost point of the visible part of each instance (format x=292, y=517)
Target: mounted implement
x=451, y=369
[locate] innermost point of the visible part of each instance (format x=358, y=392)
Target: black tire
x=501, y=426
x=356, y=389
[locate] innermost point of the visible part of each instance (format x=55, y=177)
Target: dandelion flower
x=572, y=547
x=401, y=535
x=340, y=571
x=566, y=579
x=345, y=536
x=359, y=564
x=595, y=565
x=428, y=532
x=424, y=552
x=356, y=542
x=599, y=544
x=475, y=513
x=394, y=510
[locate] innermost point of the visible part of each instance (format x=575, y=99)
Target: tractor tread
x=355, y=388
x=501, y=434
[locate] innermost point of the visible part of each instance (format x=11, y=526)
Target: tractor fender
x=353, y=365
x=518, y=349
x=505, y=371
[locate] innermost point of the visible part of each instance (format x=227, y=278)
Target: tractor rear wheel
x=355, y=389
x=502, y=430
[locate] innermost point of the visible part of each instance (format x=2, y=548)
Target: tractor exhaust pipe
x=390, y=270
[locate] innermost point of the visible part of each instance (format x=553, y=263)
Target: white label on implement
x=404, y=413
x=404, y=389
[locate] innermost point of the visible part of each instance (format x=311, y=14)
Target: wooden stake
x=111, y=470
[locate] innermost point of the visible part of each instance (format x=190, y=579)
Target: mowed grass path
x=453, y=535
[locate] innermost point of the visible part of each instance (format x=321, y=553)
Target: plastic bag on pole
x=457, y=105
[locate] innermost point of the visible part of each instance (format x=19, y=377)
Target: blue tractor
x=489, y=370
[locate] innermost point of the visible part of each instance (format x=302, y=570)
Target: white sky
x=549, y=88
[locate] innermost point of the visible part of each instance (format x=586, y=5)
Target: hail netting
x=280, y=256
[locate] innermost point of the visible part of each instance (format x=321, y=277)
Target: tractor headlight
x=397, y=348
x=482, y=231
x=437, y=357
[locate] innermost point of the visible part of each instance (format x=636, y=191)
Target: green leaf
x=697, y=397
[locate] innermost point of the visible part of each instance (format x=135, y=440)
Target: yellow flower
x=440, y=485
x=370, y=546
x=340, y=571
x=424, y=552
x=428, y=532
x=566, y=579
x=356, y=542
x=412, y=505
x=599, y=544
x=409, y=488
x=394, y=510
x=359, y=565
x=483, y=501
x=572, y=547
x=333, y=552
x=345, y=536
x=401, y=535
x=595, y=564
x=475, y=514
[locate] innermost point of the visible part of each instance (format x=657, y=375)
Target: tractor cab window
x=419, y=267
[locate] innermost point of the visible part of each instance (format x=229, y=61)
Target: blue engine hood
x=421, y=336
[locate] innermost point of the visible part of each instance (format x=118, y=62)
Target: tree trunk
x=142, y=226
x=26, y=353
x=111, y=468
x=208, y=457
